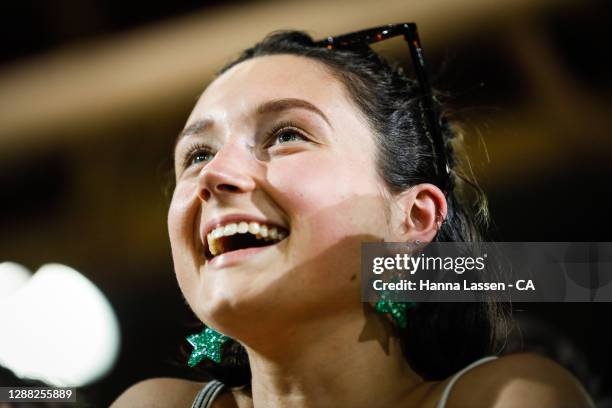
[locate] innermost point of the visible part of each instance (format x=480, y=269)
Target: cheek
x=333, y=204
x=324, y=184
x=183, y=217
x=181, y=213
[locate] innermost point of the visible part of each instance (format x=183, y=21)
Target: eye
x=284, y=133
x=196, y=154
x=287, y=136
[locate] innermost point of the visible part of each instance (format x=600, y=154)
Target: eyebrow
x=196, y=127
x=279, y=105
x=273, y=106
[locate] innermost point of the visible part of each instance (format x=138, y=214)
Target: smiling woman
x=292, y=157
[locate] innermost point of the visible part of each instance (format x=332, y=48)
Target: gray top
x=207, y=394
x=211, y=390
x=447, y=389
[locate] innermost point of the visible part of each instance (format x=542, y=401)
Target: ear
x=422, y=211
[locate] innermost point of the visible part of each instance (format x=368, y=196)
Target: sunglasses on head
x=364, y=38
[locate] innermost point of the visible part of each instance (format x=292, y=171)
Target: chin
x=232, y=306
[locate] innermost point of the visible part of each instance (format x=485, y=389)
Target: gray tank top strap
x=449, y=386
x=211, y=390
x=208, y=394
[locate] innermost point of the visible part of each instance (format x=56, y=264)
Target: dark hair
x=440, y=338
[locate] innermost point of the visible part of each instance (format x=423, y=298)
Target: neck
x=343, y=361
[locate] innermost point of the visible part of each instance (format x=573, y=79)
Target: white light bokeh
x=12, y=277
x=59, y=328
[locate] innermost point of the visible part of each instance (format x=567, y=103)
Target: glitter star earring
x=397, y=310
x=206, y=344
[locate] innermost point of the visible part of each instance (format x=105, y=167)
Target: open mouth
x=241, y=235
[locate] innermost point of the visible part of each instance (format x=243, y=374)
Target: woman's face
x=275, y=140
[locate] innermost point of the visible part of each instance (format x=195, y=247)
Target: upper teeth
x=261, y=231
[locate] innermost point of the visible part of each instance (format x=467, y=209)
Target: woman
x=292, y=157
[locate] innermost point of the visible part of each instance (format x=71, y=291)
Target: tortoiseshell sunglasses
x=359, y=39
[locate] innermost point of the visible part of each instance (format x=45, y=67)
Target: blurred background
x=94, y=92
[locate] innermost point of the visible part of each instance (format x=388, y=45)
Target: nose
x=229, y=173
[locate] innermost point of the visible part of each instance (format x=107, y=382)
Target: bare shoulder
x=518, y=380
x=159, y=392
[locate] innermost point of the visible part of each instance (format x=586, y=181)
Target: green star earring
x=206, y=344
x=397, y=310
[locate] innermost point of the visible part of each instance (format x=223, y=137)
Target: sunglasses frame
x=362, y=38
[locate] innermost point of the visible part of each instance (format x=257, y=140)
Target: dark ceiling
x=39, y=26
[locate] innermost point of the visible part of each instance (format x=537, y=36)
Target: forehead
x=273, y=77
